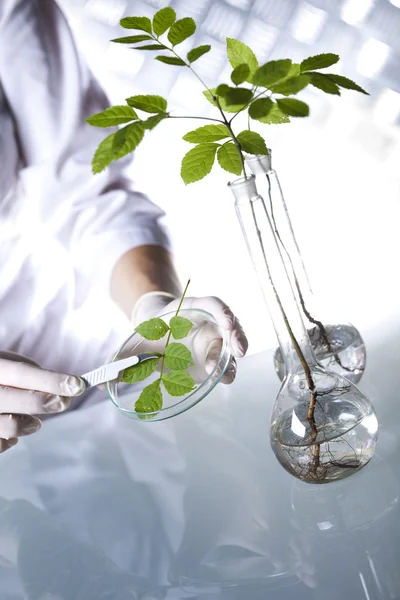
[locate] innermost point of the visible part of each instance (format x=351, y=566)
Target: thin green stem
x=234, y=138
x=170, y=332
x=248, y=103
x=190, y=117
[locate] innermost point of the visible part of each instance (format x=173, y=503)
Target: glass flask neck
x=272, y=273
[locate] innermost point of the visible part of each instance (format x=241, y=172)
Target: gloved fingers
x=6, y=444
x=238, y=340
x=28, y=377
x=17, y=401
x=12, y=426
x=213, y=354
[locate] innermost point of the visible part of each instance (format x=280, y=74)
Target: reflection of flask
x=323, y=428
x=337, y=345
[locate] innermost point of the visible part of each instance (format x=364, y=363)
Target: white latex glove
x=204, y=344
x=27, y=390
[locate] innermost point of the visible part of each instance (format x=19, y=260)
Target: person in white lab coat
x=75, y=248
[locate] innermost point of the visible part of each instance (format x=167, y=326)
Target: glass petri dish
x=124, y=395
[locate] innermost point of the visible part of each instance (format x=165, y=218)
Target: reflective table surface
x=97, y=506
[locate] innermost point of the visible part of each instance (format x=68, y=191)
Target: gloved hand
x=204, y=345
x=27, y=390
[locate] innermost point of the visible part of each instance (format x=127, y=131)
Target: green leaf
x=320, y=61
x=127, y=138
x=293, y=107
x=275, y=116
x=240, y=74
x=222, y=89
x=177, y=357
x=239, y=53
x=229, y=159
x=198, y=162
x=150, y=400
x=235, y=96
x=163, y=19
x=148, y=103
x=252, y=142
x=171, y=60
x=180, y=327
x=271, y=72
x=132, y=39
x=181, y=30
x=195, y=53
x=115, y=115
x=178, y=383
x=150, y=47
x=207, y=133
x=104, y=154
x=260, y=108
x=346, y=83
x=209, y=94
x=292, y=85
x=140, y=371
x=322, y=82
x=154, y=329
x=142, y=23
x=294, y=70
x=151, y=122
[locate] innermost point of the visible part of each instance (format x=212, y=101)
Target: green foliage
x=154, y=329
x=240, y=74
x=207, y=133
x=275, y=116
x=140, y=371
x=171, y=60
x=346, y=83
x=142, y=23
x=252, y=142
x=320, y=61
x=127, y=138
x=239, y=53
x=260, y=108
x=272, y=72
x=151, y=122
x=180, y=327
x=178, y=383
x=222, y=89
x=150, y=400
x=132, y=39
x=229, y=158
x=177, y=357
x=198, y=162
x=148, y=103
x=322, y=82
x=163, y=20
x=293, y=107
x=181, y=30
x=195, y=53
x=150, y=47
x=237, y=96
x=104, y=154
x=291, y=85
x=115, y=115
x=209, y=94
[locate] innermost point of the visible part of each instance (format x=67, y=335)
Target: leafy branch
x=176, y=357
x=265, y=92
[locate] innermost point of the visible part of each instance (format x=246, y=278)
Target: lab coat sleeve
x=96, y=218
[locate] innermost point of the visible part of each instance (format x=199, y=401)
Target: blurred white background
x=339, y=169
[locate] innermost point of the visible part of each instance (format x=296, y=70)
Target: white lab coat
x=62, y=229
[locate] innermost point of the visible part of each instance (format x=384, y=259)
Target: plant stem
x=170, y=332
x=247, y=105
x=234, y=138
x=190, y=117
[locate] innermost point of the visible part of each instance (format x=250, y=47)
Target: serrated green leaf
x=209, y=94
x=207, y=133
x=293, y=107
x=151, y=122
x=148, y=103
x=272, y=72
x=171, y=60
x=294, y=70
x=115, y=115
x=181, y=30
x=163, y=19
x=275, y=116
x=150, y=400
x=150, y=47
x=142, y=23
x=235, y=96
x=154, y=329
x=180, y=327
x=132, y=39
x=178, y=383
x=239, y=53
x=240, y=74
x=127, y=138
x=291, y=85
x=319, y=61
x=260, y=108
x=346, y=83
x=198, y=162
x=104, y=154
x=140, y=371
x=252, y=142
x=229, y=159
x=322, y=82
x=177, y=357
x=195, y=53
